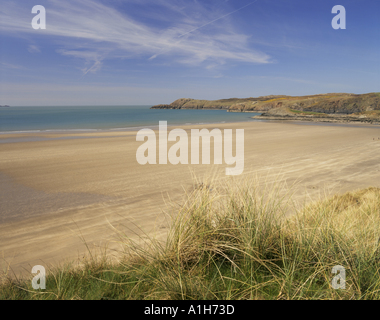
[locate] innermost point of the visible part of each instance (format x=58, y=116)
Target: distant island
x=329, y=107
x=4, y=106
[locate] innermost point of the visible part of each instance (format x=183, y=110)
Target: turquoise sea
x=87, y=118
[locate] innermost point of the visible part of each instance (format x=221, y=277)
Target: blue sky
x=123, y=52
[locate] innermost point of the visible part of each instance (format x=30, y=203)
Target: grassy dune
x=236, y=242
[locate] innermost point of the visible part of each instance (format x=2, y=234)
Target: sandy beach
x=58, y=189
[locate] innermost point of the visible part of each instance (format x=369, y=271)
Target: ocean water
x=87, y=118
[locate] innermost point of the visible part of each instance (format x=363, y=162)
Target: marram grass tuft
x=234, y=241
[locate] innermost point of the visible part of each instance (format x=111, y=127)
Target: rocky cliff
x=360, y=105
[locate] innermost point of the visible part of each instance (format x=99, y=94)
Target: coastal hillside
x=321, y=107
x=233, y=104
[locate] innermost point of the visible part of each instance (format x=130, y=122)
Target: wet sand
x=57, y=190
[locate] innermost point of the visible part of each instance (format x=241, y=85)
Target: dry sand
x=57, y=190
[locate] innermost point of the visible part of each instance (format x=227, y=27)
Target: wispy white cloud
x=4, y=65
x=93, y=60
x=186, y=32
x=219, y=18
x=34, y=49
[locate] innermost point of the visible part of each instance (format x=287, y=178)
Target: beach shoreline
x=51, y=178
x=82, y=133
x=349, y=120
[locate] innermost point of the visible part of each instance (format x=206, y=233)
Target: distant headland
x=5, y=106
x=329, y=107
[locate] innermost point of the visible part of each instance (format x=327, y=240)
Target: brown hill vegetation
x=362, y=107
